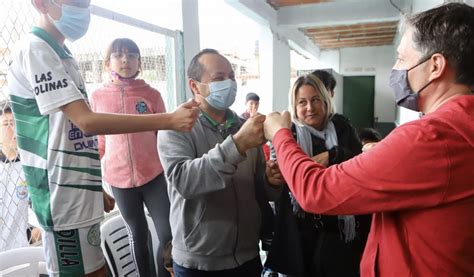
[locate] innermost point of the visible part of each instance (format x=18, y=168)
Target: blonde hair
x=313, y=81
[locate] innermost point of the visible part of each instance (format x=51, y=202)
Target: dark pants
x=130, y=202
x=252, y=268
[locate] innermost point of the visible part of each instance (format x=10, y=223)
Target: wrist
x=168, y=120
x=238, y=141
x=275, y=131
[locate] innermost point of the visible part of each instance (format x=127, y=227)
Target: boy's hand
x=184, y=117
x=109, y=202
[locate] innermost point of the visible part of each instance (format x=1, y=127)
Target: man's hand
x=322, y=158
x=109, y=202
x=368, y=146
x=276, y=121
x=185, y=116
x=273, y=173
x=250, y=134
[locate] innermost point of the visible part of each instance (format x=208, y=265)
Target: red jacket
x=129, y=160
x=419, y=182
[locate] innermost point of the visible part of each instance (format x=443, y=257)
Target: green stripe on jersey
x=86, y=187
x=38, y=189
x=94, y=156
x=32, y=128
x=69, y=253
x=91, y=171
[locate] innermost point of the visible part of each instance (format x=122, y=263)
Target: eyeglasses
x=121, y=55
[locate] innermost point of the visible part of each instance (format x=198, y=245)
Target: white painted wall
x=190, y=34
x=338, y=92
x=330, y=59
x=274, y=72
x=281, y=74
x=373, y=61
x=423, y=5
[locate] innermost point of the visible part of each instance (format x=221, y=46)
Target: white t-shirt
x=61, y=163
x=14, y=206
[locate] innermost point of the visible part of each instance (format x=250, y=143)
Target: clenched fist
x=276, y=121
x=185, y=116
x=250, y=134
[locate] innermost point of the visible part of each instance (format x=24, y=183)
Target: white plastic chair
x=25, y=261
x=116, y=248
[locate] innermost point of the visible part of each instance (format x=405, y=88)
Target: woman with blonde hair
x=308, y=244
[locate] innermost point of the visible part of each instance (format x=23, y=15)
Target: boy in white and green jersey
x=58, y=167
x=59, y=158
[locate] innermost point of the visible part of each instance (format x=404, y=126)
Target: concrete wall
x=338, y=92
x=373, y=61
x=275, y=72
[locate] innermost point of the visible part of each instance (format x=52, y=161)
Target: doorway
x=358, y=100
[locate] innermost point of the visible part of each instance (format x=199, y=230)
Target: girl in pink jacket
x=131, y=164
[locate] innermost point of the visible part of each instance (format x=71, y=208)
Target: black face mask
x=404, y=95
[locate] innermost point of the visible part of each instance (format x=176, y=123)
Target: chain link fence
x=162, y=67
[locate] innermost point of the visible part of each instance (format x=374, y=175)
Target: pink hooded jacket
x=129, y=160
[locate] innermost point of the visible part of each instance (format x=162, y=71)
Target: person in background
x=131, y=162
x=56, y=137
x=13, y=190
x=216, y=179
x=252, y=101
x=328, y=80
x=369, y=138
x=319, y=245
x=418, y=181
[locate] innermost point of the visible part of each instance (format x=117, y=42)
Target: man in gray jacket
x=213, y=173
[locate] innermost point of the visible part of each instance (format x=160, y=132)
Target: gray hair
x=448, y=30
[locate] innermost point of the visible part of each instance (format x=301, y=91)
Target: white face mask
x=222, y=94
x=74, y=21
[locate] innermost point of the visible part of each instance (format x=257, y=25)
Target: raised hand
x=250, y=134
x=185, y=116
x=276, y=121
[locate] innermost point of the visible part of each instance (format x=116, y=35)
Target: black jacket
x=294, y=237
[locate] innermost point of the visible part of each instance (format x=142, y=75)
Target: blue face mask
x=404, y=95
x=74, y=21
x=222, y=94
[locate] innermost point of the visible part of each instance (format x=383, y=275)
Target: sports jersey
x=61, y=163
x=13, y=206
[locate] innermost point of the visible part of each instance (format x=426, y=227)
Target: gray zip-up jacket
x=214, y=215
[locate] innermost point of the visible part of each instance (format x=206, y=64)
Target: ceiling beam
x=337, y=13
x=342, y=40
x=263, y=13
x=345, y=28
x=351, y=35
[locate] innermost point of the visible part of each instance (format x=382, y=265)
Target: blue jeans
x=252, y=268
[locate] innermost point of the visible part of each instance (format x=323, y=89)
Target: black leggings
x=130, y=203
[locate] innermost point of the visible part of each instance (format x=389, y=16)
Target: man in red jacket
x=419, y=180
